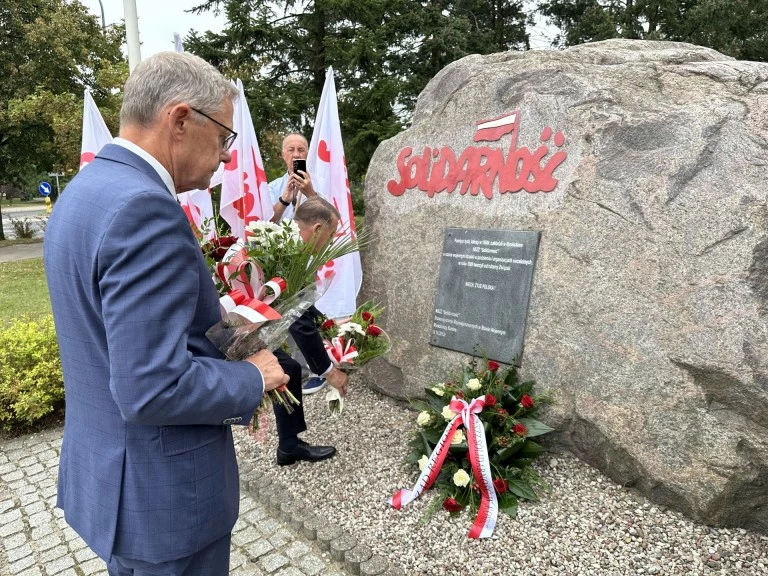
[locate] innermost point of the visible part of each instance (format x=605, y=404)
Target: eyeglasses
x=229, y=140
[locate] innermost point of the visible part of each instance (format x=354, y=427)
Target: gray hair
x=169, y=78
x=316, y=210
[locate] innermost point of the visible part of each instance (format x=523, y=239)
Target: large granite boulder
x=647, y=319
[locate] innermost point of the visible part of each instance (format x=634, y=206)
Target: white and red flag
x=244, y=191
x=328, y=166
x=95, y=132
x=494, y=128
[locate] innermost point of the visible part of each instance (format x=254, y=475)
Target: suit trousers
x=213, y=560
x=289, y=426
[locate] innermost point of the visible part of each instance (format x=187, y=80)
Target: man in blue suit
x=148, y=475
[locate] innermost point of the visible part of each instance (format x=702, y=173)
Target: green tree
x=51, y=50
x=383, y=53
x=738, y=28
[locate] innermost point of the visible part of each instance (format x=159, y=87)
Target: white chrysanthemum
x=423, y=462
x=458, y=437
x=423, y=418
x=448, y=414
x=351, y=327
x=474, y=384
x=461, y=478
x=439, y=390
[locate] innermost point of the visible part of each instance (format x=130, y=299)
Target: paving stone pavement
x=36, y=541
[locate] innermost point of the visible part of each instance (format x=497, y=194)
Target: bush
x=22, y=228
x=31, y=382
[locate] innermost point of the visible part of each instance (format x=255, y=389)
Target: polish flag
x=197, y=204
x=327, y=165
x=493, y=129
x=95, y=132
x=244, y=191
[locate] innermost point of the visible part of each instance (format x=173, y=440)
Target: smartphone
x=300, y=165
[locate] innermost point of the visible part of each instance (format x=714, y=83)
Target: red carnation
x=490, y=400
x=451, y=505
x=493, y=366
x=367, y=316
x=373, y=330
x=327, y=325
x=501, y=485
x=520, y=430
x=217, y=248
x=527, y=402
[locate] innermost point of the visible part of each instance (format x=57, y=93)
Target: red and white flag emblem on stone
x=494, y=128
x=95, y=132
x=244, y=191
x=327, y=165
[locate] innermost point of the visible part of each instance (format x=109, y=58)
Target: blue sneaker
x=314, y=384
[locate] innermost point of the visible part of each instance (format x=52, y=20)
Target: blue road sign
x=44, y=188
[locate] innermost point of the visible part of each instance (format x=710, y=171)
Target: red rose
x=217, y=248
x=327, y=325
x=451, y=505
x=527, y=402
x=490, y=400
x=493, y=366
x=501, y=485
x=501, y=412
x=367, y=316
x=520, y=430
x=373, y=330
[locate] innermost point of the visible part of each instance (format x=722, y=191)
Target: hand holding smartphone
x=299, y=165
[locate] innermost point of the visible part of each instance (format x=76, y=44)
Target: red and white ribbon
x=339, y=352
x=247, y=297
x=252, y=309
x=466, y=414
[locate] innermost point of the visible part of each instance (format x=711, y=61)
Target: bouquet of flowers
x=352, y=343
x=474, y=444
x=258, y=312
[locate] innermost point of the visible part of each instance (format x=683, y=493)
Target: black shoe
x=306, y=452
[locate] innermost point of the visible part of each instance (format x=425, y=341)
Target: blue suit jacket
x=148, y=467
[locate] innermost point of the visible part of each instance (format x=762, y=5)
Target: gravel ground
x=586, y=524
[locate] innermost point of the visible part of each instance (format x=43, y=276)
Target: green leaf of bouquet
x=534, y=427
x=507, y=452
x=531, y=449
x=458, y=450
x=432, y=435
x=425, y=443
x=508, y=504
x=436, y=402
x=522, y=489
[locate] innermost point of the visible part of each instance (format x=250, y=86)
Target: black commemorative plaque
x=483, y=292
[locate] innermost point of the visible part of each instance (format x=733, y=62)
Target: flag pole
x=132, y=33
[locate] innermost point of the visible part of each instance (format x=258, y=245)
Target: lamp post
x=103, y=22
x=132, y=33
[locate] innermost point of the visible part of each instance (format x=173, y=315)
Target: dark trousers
x=289, y=425
x=213, y=560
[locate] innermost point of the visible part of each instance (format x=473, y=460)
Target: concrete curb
x=345, y=551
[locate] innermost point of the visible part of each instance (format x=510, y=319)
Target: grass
x=16, y=241
x=23, y=290
x=15, y=203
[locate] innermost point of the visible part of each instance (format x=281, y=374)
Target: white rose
x=474, y=384
x=423, y=418
x=423, y=462
x=461, y=478
x=458, y=437
x=448, y=414
x=439, y=390
x=351, y=327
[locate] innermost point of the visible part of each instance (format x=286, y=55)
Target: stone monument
x=644, y=166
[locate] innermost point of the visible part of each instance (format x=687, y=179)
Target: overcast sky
x=158, y=20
